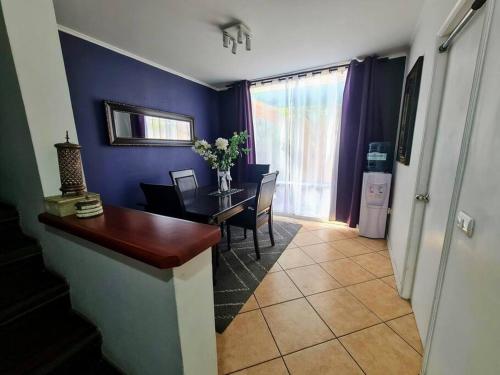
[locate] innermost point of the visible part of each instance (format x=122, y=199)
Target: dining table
x=206, y=202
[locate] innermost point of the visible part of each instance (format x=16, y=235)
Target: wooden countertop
x=159, y=241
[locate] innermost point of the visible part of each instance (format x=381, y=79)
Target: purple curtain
x=243, y=121
x=370, y=111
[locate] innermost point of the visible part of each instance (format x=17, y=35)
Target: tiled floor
x=328, y=306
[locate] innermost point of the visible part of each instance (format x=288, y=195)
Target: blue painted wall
x=96, y=74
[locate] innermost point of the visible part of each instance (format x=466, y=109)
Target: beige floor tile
x=322, y=252
x=379, y=351
x=377, y=264
x=274, y=367
x=406, y=327
x=312, y=279
x=347, y=272
x=295, y=325
x=384, y=253
x=375, y=244
x=342, y=312
x=275, y=288
x=381, y=299
x=351, y=247
x=390, y=280
x=250, y=304
x=291, y=245
x=275, y=268
x=246, y=342
x=294, y=258
x=307, y=238
x=310, y=225
x=330, y=234
x=329, y=358
x=350, y=232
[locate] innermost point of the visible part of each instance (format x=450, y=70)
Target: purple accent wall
x=96, y=74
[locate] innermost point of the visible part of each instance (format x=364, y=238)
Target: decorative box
x=88, y=208
x=65, y=205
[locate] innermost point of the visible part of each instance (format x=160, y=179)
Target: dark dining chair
x=255, y=172
x=184, y=179
x=162, y=200
x=258, y=213
x=167, y=200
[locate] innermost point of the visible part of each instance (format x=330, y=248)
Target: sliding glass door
x=296, y=129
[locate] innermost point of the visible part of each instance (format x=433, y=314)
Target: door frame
x=462, y=161
x=438, y=80
x=424, y=168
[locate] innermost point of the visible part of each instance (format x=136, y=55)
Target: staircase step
x=16, y=240
x=22, y=292
x=27, y=259
x=44, y=341
x=90, y=365
x=8, y=213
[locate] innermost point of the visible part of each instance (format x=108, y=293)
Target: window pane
x=296, y=127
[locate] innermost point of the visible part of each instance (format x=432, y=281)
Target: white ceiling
x=287, y=35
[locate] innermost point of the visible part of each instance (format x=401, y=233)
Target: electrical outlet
x=465, y=223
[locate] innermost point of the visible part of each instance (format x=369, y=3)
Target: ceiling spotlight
x=235, y=33
x=240, y=34
x=248, y=42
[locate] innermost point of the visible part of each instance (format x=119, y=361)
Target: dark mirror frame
x=114, y=140
x=409, y=112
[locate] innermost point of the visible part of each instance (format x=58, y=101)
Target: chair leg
x=228, y=232
x=222, y=230
x=245, y=233
x=256, y=243
x=270, y=225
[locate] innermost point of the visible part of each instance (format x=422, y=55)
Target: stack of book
x=88, y=208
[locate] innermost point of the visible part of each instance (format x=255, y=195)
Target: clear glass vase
x=224, y=181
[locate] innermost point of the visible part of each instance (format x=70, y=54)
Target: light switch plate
x=465, y=223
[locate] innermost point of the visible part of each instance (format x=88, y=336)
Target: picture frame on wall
x=409, y=112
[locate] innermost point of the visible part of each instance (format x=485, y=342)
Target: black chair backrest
x=162, y=200
x=265, y=192
x=175, y=175
x=255, y=172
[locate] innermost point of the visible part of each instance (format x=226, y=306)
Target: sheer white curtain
x=296, y=126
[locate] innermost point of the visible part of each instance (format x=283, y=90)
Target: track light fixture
x=248, y=42
x=233, y=50
x=235, y=33
x=240, y=34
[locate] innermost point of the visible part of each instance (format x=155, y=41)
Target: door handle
x=422, y=197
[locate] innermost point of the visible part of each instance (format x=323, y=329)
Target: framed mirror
x=130, y=125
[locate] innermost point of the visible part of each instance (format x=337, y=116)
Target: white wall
x=42, y=78
x=466, y=339
x=147, y=325
x=434, y=13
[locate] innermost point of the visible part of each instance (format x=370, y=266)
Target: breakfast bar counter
x=160, y=241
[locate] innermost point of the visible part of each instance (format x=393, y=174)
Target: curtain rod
x=300, y=73
x=476, y=5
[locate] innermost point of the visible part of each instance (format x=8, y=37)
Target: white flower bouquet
x=222, y=155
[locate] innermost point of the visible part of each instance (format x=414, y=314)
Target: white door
x=465, y=326
x=443, y=167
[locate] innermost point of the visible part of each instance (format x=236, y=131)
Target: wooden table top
x=160, y=241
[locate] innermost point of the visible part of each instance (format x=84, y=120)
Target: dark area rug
x=239, y=272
